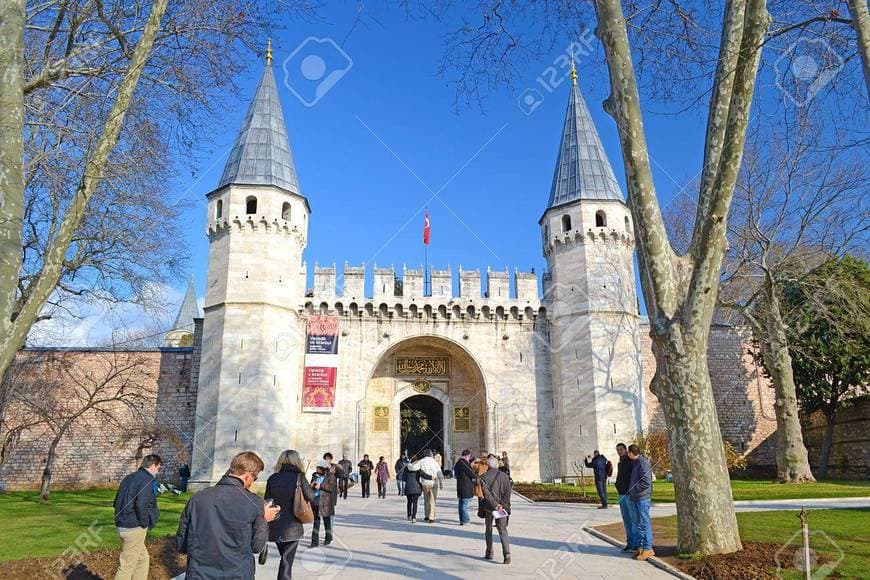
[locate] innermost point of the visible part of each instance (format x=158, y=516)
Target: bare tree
x=113, y=388
x=795, y=207
x=99, y=100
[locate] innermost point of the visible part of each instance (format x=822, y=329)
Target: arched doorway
x=421, y=376
x=421, y=425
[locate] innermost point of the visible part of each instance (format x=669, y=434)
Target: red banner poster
x=318, y=389
x=321, y=364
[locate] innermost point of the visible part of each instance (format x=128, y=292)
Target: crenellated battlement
x=591, y=236
x=254, y=224
x=505, y=295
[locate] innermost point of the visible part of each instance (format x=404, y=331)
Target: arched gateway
x=425, y=392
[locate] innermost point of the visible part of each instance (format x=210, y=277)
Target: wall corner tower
x=251, y=366
x=590, y=296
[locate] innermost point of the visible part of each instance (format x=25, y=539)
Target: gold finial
x=269, y=52
x=573, y=73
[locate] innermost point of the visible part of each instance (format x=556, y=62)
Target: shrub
x=654, y=445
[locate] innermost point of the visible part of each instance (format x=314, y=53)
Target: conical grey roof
x=261, y=154
x=188, y=311
x=582, y=168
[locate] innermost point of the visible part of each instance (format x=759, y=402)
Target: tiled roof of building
x=261, y=154
x=582, y=168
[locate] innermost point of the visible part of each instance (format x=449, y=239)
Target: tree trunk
x=44, y=489
x=861, y=24
x=11, y=164
x=827, y=443
x=680, y=292
x=705, y=509
x=792, y=461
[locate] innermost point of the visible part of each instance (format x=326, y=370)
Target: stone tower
x=589, y=293
x=251, y=367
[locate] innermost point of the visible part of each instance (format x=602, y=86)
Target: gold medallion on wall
x=421, y=385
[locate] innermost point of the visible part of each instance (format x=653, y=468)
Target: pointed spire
x=582, y=168
x=188, y=310
x=261, y=154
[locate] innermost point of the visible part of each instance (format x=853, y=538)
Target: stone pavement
x=373, y=540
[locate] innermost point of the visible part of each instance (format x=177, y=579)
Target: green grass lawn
x=846, y=531
x=752, y=489
x=31, y=529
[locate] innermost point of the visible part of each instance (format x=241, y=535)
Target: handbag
x=302, y=507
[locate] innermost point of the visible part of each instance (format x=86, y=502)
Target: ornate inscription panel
x=381, y=419
x=438, y=366
x=462, y=419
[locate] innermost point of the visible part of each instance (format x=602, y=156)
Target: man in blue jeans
x=466, y=477
x=623, y=483
x=640, y=490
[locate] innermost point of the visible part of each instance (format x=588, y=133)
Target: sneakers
x=644, y=555
x=413, y=520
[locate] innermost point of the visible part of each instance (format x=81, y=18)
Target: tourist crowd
x=224, y=527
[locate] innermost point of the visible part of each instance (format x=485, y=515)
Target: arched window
x=566, y=223
x=285, y=211
x=600, y=219
x=219, y=209
x=627, y=225
x=250, y=205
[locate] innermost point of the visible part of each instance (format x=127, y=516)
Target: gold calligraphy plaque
x=462, y=419
x=424, y=366
x=381, y=420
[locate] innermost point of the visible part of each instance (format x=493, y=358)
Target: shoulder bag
x=302, y=507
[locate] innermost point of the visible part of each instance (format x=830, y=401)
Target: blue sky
x=373, y=149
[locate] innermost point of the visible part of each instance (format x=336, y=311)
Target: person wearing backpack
x=600, y=467
x=286, y=530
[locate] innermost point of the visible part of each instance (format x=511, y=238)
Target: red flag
x=426, y=229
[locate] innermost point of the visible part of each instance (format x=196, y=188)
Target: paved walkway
x=373, y=539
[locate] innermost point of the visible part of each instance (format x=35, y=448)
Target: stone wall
x=744, y=397
x=96, y=450
x=850, y=451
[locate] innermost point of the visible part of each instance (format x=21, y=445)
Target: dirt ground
x=755, y=561
x=166, y=563
x=550, y=493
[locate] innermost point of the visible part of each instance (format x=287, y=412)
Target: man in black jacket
x=135, y=513
x=222, y=527
x=623, y=479
x=465, y=480
x=598, y=463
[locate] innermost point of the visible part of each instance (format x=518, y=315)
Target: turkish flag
x=426, y=228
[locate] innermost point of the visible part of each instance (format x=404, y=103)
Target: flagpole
x=426, y=287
